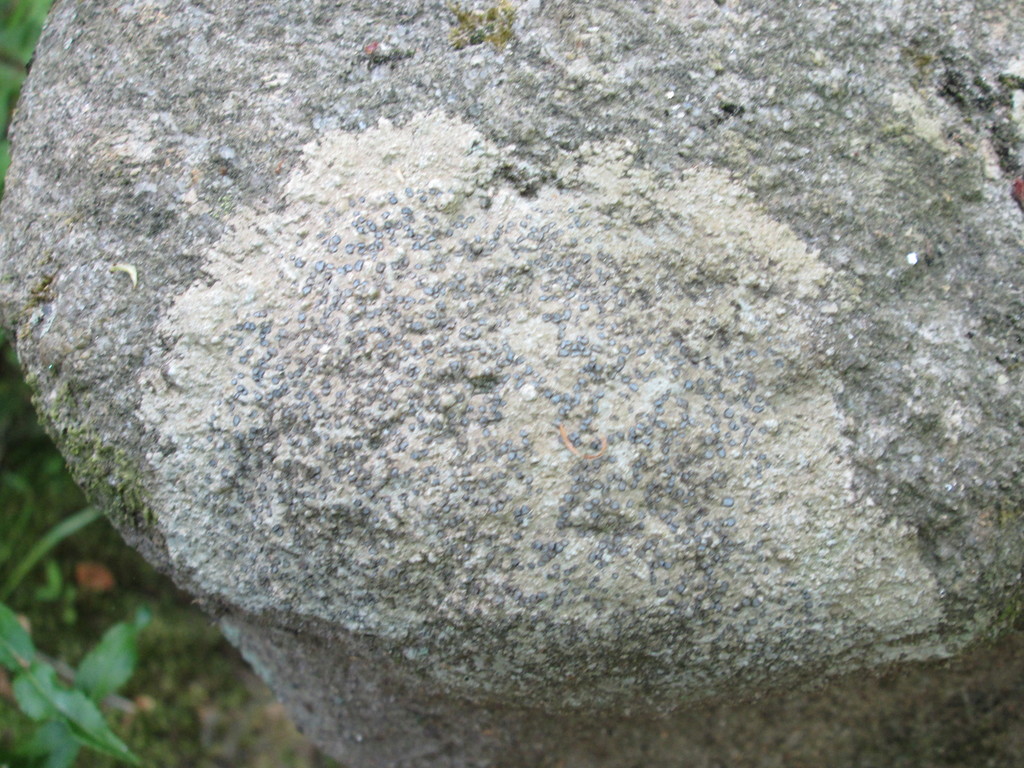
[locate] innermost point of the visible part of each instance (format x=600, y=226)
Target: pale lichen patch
x=926, y=124
x=371, y=382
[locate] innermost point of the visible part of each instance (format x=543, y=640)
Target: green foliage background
x=196, y=702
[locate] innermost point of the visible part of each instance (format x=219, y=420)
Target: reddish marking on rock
x=575, y=451
x=1017, y=191
x=371, y=48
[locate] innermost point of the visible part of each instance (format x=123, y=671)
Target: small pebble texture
x=668, y=353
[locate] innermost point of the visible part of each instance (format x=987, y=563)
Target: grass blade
x=52, y=538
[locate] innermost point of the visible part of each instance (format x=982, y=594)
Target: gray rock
x=665, y=353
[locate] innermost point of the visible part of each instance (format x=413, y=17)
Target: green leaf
x=51, y=590
x=51, y=746
x=16, y=646
x=109, y=665
x=14, y=489
x=40, y=697
x=52, y=538
x=35, y=688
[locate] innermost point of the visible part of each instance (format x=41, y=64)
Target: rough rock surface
x=670, y=351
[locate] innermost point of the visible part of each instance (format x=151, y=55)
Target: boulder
x=516, y=367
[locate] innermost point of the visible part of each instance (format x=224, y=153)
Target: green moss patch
x=492, y=25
